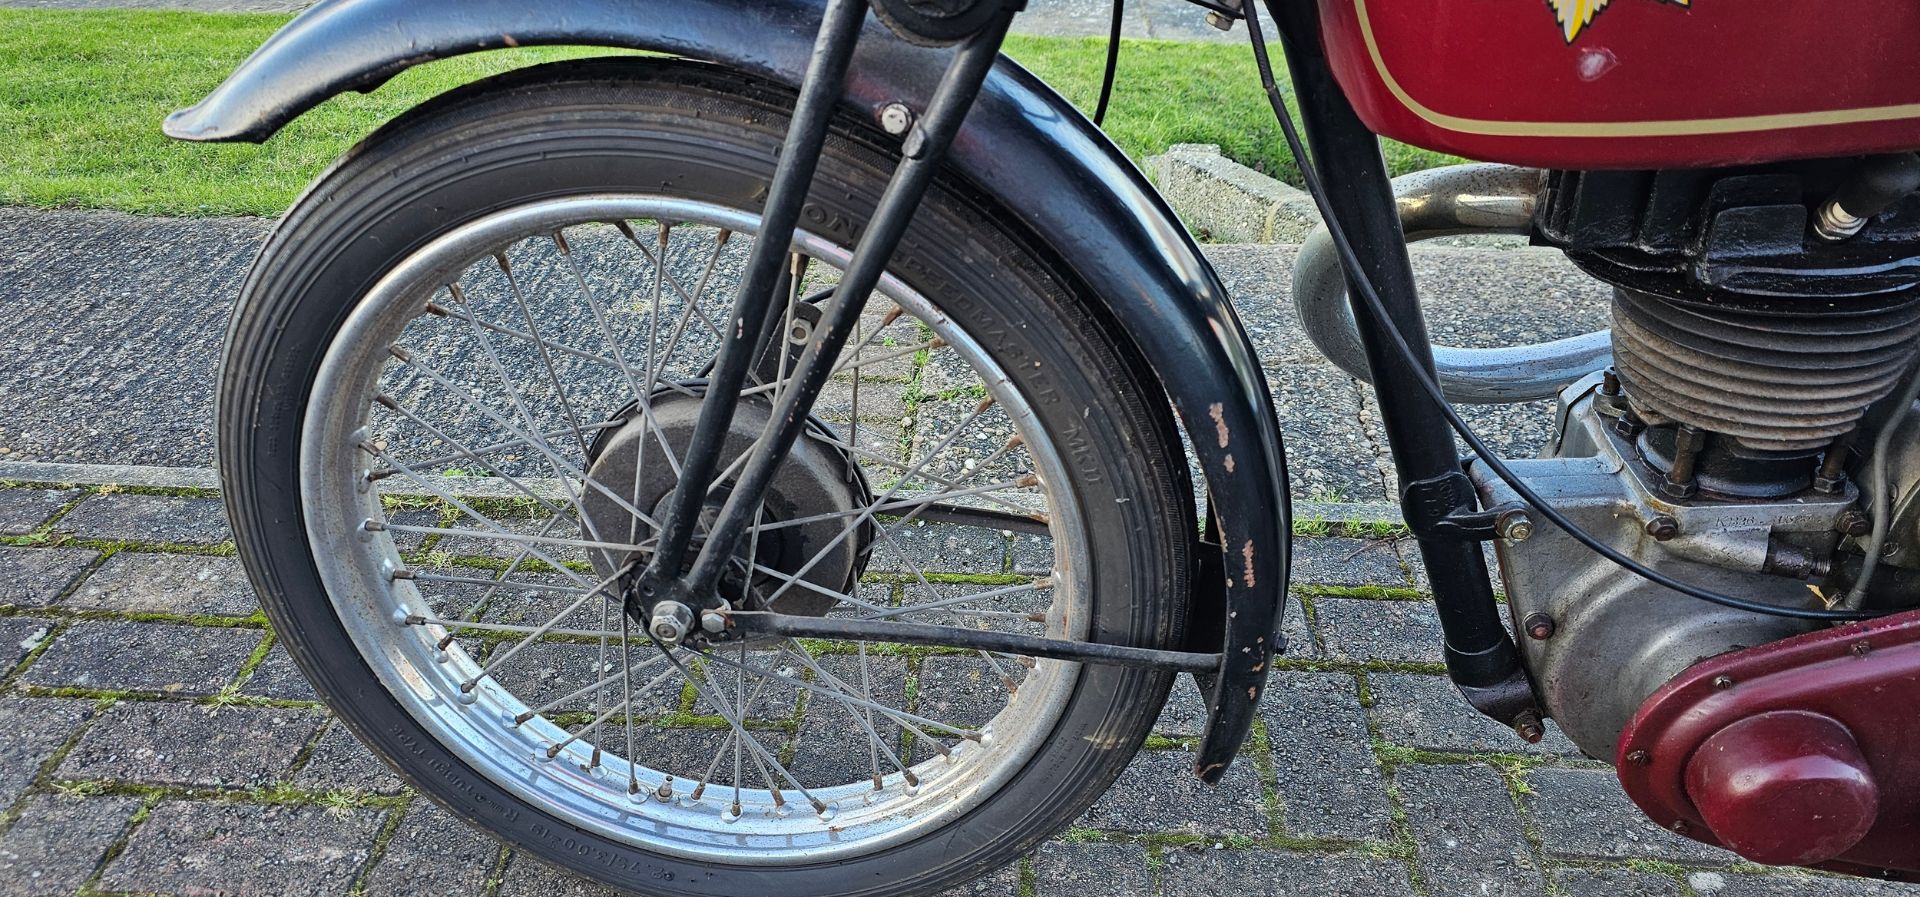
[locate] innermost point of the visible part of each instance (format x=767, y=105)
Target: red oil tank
x=1632, y=83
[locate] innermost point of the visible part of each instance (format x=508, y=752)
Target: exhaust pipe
x=1442, y=202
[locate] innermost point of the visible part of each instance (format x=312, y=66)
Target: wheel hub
x=818, y=492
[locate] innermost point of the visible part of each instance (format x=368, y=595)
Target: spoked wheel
x=459, y=389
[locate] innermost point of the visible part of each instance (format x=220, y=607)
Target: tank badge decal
x=1574, y=15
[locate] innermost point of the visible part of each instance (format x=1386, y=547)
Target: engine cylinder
x=1778, y=376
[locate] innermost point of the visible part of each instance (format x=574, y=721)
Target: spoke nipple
x=416, y=620
x=445, y=640
x=984, y=405
x=459, y=295
x=400, y=353
x=1041, y=519
x=779, y=800
x=936, y=343
x=878, y=784
x=560, y=240
x=1012, y=684
x=731, y=813
x=500, y=258
x=521, y=718
x=1027, y=482
x=379, y=473
x=1043, y=583
x=386, y=401
x=1028, y=662
x=1014, y=443
x=1037, y=617
x=626, y=230
x=721, y=238
x=913, y=781
x=401, y=573
x=698, y=790
x=373, y=526
x=436, y=309
x=893, y=314
x=553, y=752
x=633, y=789
x=595, y=762
x=824, y=811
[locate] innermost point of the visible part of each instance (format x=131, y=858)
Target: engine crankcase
x=1612, y=638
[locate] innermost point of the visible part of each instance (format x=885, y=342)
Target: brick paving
x=152, y=740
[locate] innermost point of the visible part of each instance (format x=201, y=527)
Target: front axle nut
x=670, y=622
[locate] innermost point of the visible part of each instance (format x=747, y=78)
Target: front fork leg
x=1435, y=493
x=925, y=145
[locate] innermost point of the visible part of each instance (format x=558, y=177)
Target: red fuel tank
x=1632, y=83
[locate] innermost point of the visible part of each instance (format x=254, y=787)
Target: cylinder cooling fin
x=1776, y=376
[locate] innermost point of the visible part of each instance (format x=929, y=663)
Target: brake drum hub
x=818, y=480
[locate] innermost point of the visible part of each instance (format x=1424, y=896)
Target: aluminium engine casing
x=1616, y=638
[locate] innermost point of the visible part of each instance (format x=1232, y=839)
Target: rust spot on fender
x=1246, y=557
x=508, y=40
x=1218, y=412
x=1228, y=463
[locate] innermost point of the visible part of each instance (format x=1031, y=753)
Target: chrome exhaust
x=1442, y=202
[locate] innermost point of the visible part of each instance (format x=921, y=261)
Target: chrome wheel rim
x=451, y=669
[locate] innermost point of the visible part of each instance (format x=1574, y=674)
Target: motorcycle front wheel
x=458, y=387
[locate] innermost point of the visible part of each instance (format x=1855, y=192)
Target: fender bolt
x=1540, y=627
x=896, y=118
x=1663, y=528
x=1679, y=826
x=1527, y=726
x=1860, y=649
x=1723, y=682
x=1639, y=758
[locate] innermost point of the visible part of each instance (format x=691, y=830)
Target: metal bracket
x=1443, y=508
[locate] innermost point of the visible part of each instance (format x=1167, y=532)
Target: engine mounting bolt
x=713, y=621
x=896, y=118
x=1723, y=682
x=1527, y=726
x=1854, y=523
x=1540, y=627
x=1514, y=525
x=1610, y=382
x=1663, y=528
x=1639, y=758
x=1219, y=20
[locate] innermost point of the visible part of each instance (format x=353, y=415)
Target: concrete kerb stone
x=1228, y=202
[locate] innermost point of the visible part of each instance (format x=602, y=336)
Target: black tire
x=611, y=125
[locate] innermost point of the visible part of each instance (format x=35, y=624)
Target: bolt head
x=713, y=621
x=1540, y=627
x=1222, y=22
x=1663, y=528
x=896, y=118
x=1639, y=758
x=1723, y=682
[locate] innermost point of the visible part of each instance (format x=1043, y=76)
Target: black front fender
x=1023, y=145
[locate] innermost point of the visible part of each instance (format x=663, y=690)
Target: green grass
x=82, y=95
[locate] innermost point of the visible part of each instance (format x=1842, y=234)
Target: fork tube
x=820, y=92
x=925, y=146
x=1481, y=657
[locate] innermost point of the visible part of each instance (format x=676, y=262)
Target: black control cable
x=1113, y=63
x=1363, y=284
